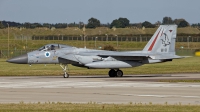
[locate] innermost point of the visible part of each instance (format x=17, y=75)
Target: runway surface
x=101, y=89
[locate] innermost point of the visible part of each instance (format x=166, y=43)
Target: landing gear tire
x=112, y=73
x=66, y=75
x=119, y=73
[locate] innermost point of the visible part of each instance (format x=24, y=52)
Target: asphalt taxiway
x=101, y=89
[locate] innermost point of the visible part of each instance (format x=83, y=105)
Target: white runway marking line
x=150, y=95
x=31, y=84
x=159, y=96
x=191, y=96
x=83, y=84
x=162, y=96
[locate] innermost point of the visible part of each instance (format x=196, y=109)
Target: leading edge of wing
x=120, y=54
x=142, y=55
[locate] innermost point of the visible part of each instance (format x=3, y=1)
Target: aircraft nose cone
x=22, y=59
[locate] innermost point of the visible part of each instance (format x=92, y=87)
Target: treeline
x=93, y=23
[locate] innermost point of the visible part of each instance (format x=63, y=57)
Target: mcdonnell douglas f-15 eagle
x=160, y=48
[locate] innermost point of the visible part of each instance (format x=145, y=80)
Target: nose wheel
x=65, y=68
x=115, y=73
x=66, y=75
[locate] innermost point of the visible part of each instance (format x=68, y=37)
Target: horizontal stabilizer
x=162, y=57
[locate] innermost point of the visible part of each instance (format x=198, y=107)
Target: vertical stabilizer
x=163, y=40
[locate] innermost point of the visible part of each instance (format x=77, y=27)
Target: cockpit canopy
x=50, y=47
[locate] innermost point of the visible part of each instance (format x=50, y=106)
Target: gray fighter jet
x=160, y=48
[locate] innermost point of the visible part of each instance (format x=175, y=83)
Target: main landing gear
x=65, y=67
x=115, y=73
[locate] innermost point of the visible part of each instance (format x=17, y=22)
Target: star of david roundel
x=47, y=54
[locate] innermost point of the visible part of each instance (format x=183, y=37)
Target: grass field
x=122, y=45
x=186, y=65
x=97, y=31
x=35, y=44
x=93, y=107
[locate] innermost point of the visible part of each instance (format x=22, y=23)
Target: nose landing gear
x=65, y=75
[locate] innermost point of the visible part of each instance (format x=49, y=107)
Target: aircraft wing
x=140, y=55
x=116, y=54
x=123, y=56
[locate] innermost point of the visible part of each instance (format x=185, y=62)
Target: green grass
x=122, y=45
x=186, y=65
x=34, y=44
x=93, y=107
x=97, y=31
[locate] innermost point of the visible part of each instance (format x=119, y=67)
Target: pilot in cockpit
x=52, y=47
x=45, y=48
x=48, y=48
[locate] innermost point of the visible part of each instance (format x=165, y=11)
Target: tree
x=60, y=25
x=177, y=21
x=124, y=22
x=167, y=20
x=120, y=23
x=147, y=24
x=183, y=24
x=196, y=25
x=81, y=25
x=35, y=25
x=11, y=24
x=47, y=25
x=93, y=23
x=158, y=23
x=116, y=23
x=27, y=25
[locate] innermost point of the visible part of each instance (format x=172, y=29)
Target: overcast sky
x=68, y=11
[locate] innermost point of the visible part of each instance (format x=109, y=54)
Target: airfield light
x=85, y=41
x=117, y=40
x=188, y=39
x=95, y=42
x=81, y=36
x=106, y=37
x=26, y=42
x=8, y=39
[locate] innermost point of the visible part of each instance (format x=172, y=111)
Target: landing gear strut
x=115, y=73
x=65, y=75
